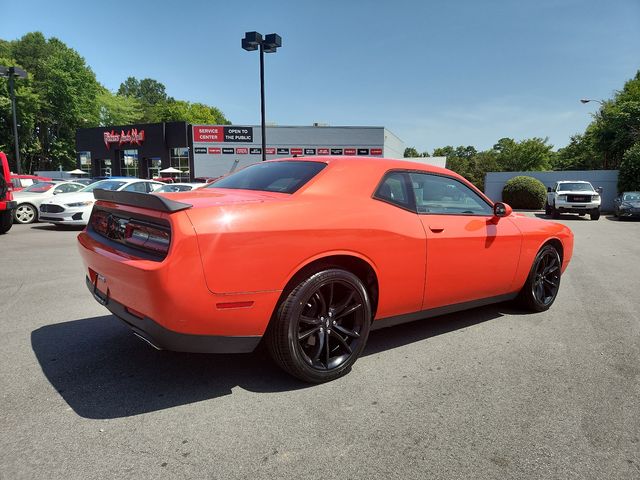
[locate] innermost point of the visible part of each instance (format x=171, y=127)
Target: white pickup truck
x=573, y=197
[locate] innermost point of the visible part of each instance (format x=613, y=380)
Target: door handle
x=436, y=228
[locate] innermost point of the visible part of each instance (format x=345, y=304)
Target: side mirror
x=549, y=189
x=600, y=190
x=501, y=209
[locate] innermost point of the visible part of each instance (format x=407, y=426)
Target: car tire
x=547, y=209
x=554, y=212
x=6, y=221
x=25, y=213
x=595, y=214
x=542, y=285
x=321, y=326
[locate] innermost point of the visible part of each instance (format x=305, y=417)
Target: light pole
x=587, y=100
x=252, y=41
x=13, y=72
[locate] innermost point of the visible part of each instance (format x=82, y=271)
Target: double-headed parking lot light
x=252, y=41
x=12, y=73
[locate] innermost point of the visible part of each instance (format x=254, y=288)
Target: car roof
x=383, y=163
x=573, y=181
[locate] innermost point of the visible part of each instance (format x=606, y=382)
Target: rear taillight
x=100, y=221
x=147, y=237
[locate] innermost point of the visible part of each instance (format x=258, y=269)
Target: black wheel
x=542, y=285
x=25, y=213
x=321, y=327
x=554, y=212
x=595, y=214
x=615, y=212
x=547, y=209
x=6, y=220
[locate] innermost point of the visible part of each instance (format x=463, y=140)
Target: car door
x=471, y=254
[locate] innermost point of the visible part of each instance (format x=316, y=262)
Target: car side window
x=152, y=187
x=140, y=187
x=67, y=188
x=437, y=194
x=393, y=189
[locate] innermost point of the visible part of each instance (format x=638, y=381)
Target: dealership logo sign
x=132, y=136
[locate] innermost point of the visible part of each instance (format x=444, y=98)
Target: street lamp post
x=269, y=44
x=587, y=100
x=13, y=72
x=601, y=102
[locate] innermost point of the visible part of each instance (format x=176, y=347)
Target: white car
x=75, y=209
x=30, y=198
x=573, y=197
x=179, y=187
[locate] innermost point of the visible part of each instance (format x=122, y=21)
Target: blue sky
x=435, y=73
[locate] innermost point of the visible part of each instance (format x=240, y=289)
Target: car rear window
x=282, y=177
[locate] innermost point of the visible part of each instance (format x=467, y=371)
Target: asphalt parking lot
x=487, y=393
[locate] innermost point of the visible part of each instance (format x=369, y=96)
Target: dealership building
x=143, y=150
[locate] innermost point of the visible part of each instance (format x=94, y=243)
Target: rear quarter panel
x=260, y=247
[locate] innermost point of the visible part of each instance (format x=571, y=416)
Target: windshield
x=575, y=187
x=283, y=177
x=631, y=196
x=105, y=185
x=39, y=187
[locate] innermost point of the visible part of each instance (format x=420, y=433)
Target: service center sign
x=220, y=134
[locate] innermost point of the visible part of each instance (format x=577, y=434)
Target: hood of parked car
x=66, y=198
x=577, y=192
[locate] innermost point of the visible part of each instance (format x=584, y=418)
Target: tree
x=179, y=110
x=527, y=155
x=411, y=152
x=118, y=109
x=58, y=96
x=579, y=154
x=629, y=175
x=616, y=126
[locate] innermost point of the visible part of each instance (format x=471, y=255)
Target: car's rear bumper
x=163, y=339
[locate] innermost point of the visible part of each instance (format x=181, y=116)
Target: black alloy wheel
x=543, y=283
x=322, y=326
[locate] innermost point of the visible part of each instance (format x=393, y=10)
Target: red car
x=311, y=254
x=20, y=182
x=7, y=205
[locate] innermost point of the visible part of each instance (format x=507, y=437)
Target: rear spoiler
x=142, y=200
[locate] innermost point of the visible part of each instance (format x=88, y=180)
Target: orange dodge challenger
x=311, y=254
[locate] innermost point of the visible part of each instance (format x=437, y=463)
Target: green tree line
x=610, y=141
x=62, y=94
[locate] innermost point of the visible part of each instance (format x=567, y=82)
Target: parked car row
x=70, y=202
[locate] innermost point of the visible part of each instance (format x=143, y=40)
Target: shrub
x=629, y=175
x=524, y=192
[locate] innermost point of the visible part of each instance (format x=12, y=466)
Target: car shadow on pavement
x=563, y=217
x=52, y=228
x=103, y=371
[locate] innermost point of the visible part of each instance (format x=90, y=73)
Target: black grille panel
x=578, y=198
x=49, y=208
